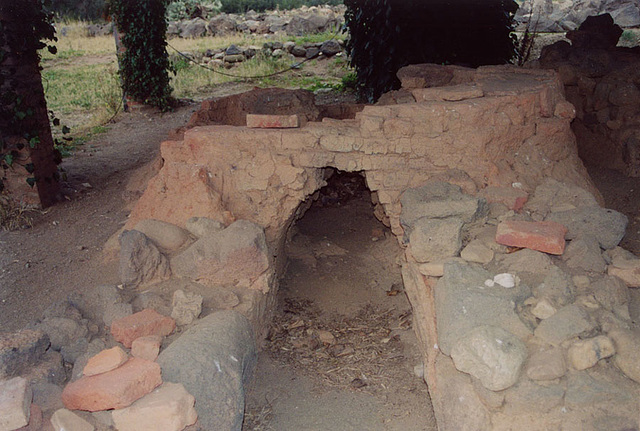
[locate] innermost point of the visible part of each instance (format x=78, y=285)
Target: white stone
x=585, y=354
x=15, y=403
x=505, y=280
x=65, y=420
x=490, y=354
x=168, y=408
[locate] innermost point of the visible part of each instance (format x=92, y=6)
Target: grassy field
x=82, y=85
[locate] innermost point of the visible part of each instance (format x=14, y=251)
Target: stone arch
x=490, y=131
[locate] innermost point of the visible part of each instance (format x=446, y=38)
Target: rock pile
x=115, y=380
x=542, y=333
x=297, y=22
x=601, y=81
x=558, y=16
x=233, y=55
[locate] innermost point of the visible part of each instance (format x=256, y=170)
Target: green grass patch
x=81, y=88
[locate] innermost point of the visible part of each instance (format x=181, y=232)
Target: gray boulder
x=464, y=302
x=433, y=239
x=568, y=322
x=606, y=225
x=195, y=28
x=140, y=260
x=221, y=25
x=584, y=254
x=492, y=355
x=330, y=48
x=439, y=200
x=214, y=361
x=236, y=253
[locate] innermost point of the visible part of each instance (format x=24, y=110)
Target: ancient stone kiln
x=454, y=151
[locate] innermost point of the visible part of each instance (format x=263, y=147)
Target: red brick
x=115, y=389
x=256, y=121
x=512, y=198
x=146, y=322
x=545, y=236
x=146, y=347
x=107, y=360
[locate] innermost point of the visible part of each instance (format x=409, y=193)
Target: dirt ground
x=337, y=275
x=341, y=352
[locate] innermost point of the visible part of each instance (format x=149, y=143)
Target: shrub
x=386, y=35
x=186, y=9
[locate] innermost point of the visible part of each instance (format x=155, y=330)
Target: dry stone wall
x=602, y=82
x=462, y=163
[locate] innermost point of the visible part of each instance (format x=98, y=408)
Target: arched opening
x=342, y=347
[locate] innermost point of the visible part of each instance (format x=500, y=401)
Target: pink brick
x=512, y=198
x=272, y=121
x=146, y=322
x=545, y=236
x=114, y=389
x=107, y=360
x=146, y=347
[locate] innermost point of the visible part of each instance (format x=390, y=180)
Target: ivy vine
x=25, y=28
x=144, y=61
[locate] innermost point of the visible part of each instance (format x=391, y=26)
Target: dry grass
x=15, y=215
x=357, y=352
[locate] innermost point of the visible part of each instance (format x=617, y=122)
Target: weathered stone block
x=438, y=200
x=143, y=323
x=566, y=323
x=608, y=226
x=169, y=408
x=15, y=403
x=19, y=350
x=146, y=347
x=435, y=239
x=115, y=389
x=239, y=252
x=546, y=364
x=492, y=355
x=586, y=353
x=463, y=302
x=140, y=260
x=65, y=420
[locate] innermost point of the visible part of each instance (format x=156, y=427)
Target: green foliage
x=144, y=64
x=186, y=9
x=386, y=35
x=241, y=6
